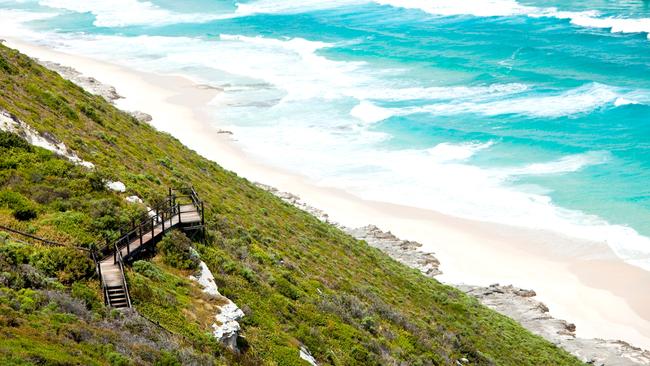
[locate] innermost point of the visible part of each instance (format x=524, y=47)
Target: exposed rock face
x=92, y=86
x=10, y=123
x=520, y=305
x=89, y=84
x=296, y=201
x=404, y=251
x=306, y=355
x=141, y=116
x=226, y=328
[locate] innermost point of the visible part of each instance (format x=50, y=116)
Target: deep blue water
x=534, y=113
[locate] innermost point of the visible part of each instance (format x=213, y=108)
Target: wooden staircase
x=143, y=236
x=118, y=297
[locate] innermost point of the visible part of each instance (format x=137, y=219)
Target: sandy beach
x=582, y=282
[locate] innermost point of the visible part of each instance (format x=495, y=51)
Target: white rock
x=11, y=124
x=226, y=329
x=206, y=280
x=116, y=186
x=134, y=199
x=229, y=317
x=306, y=355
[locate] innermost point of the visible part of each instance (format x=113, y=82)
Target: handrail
x=101, y=278
x=160, y=215
x=120, y=260
x=146, y=225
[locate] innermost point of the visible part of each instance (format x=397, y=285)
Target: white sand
x=581, y=282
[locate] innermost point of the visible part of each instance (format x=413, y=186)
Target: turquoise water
x=532, y=113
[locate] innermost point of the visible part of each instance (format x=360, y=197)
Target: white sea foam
x=575, y=101
x=370, y=113
x=624, y=101
x=389, y=93
x=122, y=13
x=445, y=151
x=13, y=21
x=566, y=164
x=506, y=8
x=481, y=8
x=289, y=7
x=478, y=8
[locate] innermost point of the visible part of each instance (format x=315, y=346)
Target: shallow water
x=532, y=113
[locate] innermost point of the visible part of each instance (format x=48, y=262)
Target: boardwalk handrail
x=120, y=261
x=155, y=216
x=159, y=220
x=164, y=211
x=102, y=285
x=190, y=192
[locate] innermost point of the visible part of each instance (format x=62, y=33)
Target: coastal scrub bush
x=72, y=223
x=10, y=140
x=116, y=359
x=176, y=250
x=286, y=288
x=90, y=112
x=87, y=295
x=14, y=254
x=21, y=207
x=148, y=269
x=68, y=264
x=167, y=359
x=6, y=67
x=29, y=300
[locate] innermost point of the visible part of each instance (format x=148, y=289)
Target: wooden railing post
x=153, y=224
x=178, y=207
x=140, y=233
x=202, y=214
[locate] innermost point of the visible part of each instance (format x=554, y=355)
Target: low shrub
x=21, y=207
x=68, y=264
x=176, y=250
x=24, y=212
x=10, y=140
x=148, y=269
x=87, y=295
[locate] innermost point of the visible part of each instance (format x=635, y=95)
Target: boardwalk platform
x=111, y=258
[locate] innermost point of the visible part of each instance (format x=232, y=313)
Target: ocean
x=530, y=113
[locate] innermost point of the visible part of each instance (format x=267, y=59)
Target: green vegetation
x=298, y=280
x=176, y=249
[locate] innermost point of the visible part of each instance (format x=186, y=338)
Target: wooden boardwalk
x=111, y=265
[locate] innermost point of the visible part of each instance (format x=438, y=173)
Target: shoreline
x=567, y=274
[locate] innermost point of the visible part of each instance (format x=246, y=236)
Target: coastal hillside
x=304, y=287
